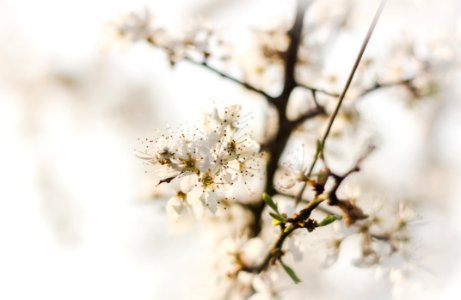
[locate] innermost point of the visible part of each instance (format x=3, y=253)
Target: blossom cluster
x=202, y=165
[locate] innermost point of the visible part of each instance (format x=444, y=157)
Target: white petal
x=261, y=296
x=259, y=285
x=250, y=147
x=227, y=177
x=211, y=201
x=295, y=249
x=174, y=208
x=188, y=182
x=197, y=207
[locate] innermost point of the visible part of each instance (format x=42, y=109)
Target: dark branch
x=314, y=112
x=322, y=209
x=406, y=82
x=291, y=58
x=317, y=90
x=380, y=85
x=276, y=146
x=207, y=66
x=227, y=76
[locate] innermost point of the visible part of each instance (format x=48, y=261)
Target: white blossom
x=294, y=169
x=266, y=287
x=205, y=161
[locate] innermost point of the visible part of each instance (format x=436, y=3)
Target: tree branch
x=276, y=146
x=207, y=66
x=317, y=90
x=276, y=251
x=244, y=84
x=291, y=58
x=379, y=85
x=314, y=112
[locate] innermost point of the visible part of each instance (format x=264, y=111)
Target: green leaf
x=268, y=199
x=277, y=219
x=276, y=222
x=290, y=273
x=288, y=229
x=329, y=219
x=322, y=177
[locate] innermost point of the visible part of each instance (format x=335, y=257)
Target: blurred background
x=75, y=217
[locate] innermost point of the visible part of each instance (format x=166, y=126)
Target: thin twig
x=343, y=93
x=311, y=113
x=244, y=84
x=380, y=85
x=207, y=66
x=322, y=209
x=375, y=87
x=317, y=90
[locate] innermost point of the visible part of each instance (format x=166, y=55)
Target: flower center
x=189, y=164
x=181, y=196
x=207, y=180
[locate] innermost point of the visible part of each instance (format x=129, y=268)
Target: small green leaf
x=268, y=199
x=276, y=222
x=290, y=273
x=329, y=219
x=322, y=177
x=277, y=219
x=287, y=229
